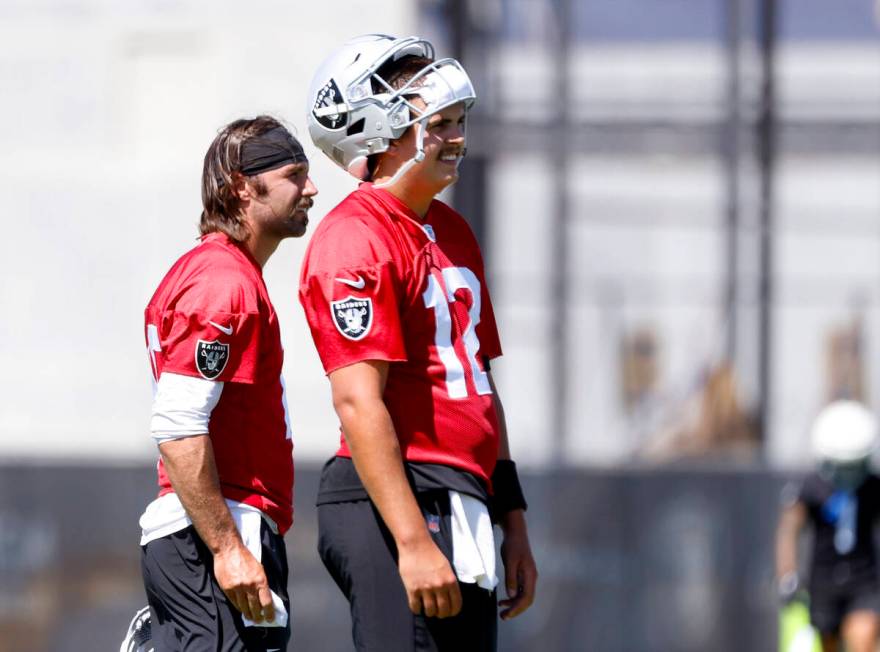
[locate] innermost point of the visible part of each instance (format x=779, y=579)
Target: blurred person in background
x=213, y=555
x=394, y=290
x=710, y=423
x=840, y=501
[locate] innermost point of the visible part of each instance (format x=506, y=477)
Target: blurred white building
x=110, y=107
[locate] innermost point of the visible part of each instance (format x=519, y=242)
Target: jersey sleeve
x=351, y=295
x=212, y=332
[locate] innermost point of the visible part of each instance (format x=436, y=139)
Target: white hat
x=844, y=431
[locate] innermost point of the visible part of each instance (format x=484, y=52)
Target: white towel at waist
x=166, y=515
x=473, y=541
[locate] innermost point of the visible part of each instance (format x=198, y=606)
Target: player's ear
x=240, y=187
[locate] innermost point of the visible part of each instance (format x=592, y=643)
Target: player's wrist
x=787, y=586
x=513, y=522
x=227, y=545
x=507, y=495
x=413, y=541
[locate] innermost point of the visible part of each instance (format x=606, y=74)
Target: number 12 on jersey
x=457, y=278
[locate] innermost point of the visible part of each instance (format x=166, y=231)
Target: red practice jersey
x=379, y=283
x=211, y=317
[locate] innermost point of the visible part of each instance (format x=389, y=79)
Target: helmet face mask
x=354, y=113
x=847, y=476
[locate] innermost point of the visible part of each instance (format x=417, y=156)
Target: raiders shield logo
x=353, y=317
x=211, y=358
x=330, y=109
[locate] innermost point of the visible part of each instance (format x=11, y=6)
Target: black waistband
x=340, y=482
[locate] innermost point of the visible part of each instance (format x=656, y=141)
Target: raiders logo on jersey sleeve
x=211, y=358
x=353, y=317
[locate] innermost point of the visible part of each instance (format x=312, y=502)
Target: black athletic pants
x=359, y=552
x=190, y=613
x=830, y=604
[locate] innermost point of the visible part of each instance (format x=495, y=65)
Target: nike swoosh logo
x=222, y=329
x=356, y=284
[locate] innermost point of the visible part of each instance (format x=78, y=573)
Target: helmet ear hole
x=356, y=127
x=398, y=116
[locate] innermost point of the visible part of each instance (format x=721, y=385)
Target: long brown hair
x=221, y=174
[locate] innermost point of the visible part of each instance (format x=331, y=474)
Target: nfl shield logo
x=211, y=358
x=433, y=523
x=353, y=317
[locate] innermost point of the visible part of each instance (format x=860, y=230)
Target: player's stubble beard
x=298, y=219
x=291, y=222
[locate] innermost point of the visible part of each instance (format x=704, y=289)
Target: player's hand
x=430, y=583
x=520, y=571
x=244, y=582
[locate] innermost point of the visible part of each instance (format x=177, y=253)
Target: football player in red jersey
x=394, y=290
x=213, y=560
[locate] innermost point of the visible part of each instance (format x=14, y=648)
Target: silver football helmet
x=353, y=112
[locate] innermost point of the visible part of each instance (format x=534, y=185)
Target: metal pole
x=731, y=153
x=766, y=158
x=469, y=192
x=458, y=23
x=560, y=268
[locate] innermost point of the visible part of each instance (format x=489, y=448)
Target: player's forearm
x=192, y=470
x=790, y=524
x=786, y=552
x=375, y=451
x=503, y=442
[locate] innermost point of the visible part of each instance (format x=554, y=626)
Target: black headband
x=269, y=151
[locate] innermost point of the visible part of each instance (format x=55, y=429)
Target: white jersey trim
x=166, y=515
x=182, y=406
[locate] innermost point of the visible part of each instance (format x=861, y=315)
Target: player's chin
x=297, y=226
x=299, y=229
x=447, y=177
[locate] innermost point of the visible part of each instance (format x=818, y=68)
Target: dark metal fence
x=637, y=560
x=717, y=85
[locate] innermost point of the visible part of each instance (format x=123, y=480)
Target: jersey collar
x=225, y=241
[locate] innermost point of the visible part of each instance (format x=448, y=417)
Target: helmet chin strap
x=417, y=158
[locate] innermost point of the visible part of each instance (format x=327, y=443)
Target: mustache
x=304, y=204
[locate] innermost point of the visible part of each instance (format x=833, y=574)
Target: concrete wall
x=108, y=109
